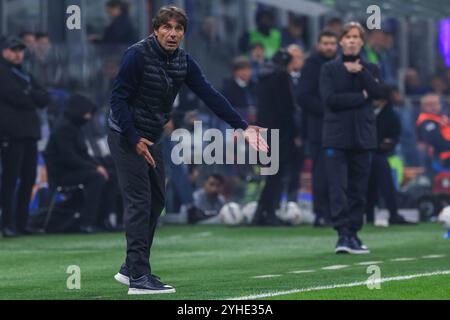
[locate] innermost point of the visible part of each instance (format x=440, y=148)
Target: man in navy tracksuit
x=348, y=86
x=150, y=77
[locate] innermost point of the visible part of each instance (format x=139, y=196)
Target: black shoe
x=123, y=276
x=148, y=284
x=399, y=220
x=350, y=245
x=10, y=233
x=359, y=242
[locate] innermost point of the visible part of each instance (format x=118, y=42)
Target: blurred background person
x=47, y=63
x=313, y=108
x=265, y=33
x=20, y=129
x=276, y=111
x=257, y=59
x=293, y=33
x=298, y=153
x=69, y=163
x=433, y=130
x=334, y=25
x=208, y=201
x=240, y=89
x=413, y=83
x=121, y=30
x=381, y=181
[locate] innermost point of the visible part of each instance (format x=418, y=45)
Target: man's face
x=87, y=116
x=298, y=60
x=29, y=40
x=352, y=42
x=213, y=187
x=170, y=35
x=244, y=74
x=113, y=11
x=14, y=55
x=431, y=104
x=327, y=47
x=258, y=53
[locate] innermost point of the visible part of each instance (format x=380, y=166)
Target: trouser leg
x=321, y=200
x=27, y=175
x=358, y=179
x=337, y=172
x=12, y=155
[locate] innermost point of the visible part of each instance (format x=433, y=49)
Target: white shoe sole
x=350, y=251
x=133, y=291
x=122, y=279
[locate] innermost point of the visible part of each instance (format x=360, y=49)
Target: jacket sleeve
x=65, y=142
x=308, y=88
x=124, y=87
x=39, y=95
x=372, y=82
x=337, y=101
x=197, y=82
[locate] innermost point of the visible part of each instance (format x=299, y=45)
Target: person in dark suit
x=276, y=111
x=348, y=85
x=381, y=181
x=240, y=89
x=313, y=107
x=20, y=129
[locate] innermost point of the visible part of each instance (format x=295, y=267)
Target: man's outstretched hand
x=253, y=136
x=142, y=150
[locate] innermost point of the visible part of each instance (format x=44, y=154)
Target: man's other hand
x=142, y=149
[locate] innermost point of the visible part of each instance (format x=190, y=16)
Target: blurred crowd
x=52, y=130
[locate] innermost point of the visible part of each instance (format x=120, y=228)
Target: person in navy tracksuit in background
x=348, y=85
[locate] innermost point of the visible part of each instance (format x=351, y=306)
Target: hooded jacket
x=66, y=150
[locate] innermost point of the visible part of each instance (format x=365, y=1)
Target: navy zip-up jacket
x=128, y=79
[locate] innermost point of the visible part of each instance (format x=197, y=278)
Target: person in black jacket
x=381, y=181
x=240, y=89
x=313, y=107
x=121, y=30
x=20, y=130
x=276, y=110
x=348, y=86
x=69, y=163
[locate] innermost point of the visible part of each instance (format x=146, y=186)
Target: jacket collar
x=163, y=54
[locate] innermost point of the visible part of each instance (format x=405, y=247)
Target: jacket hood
x=77, y=106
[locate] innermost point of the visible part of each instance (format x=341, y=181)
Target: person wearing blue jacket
x=150, y=77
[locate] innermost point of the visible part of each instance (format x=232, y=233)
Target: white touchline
x=434, y=256
x=337, y=267
x=368, y=263
x=343, y=285
x=301, y=271
x=403, y=259
x=267, y=276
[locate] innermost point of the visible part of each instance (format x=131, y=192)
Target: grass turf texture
x=209, y=262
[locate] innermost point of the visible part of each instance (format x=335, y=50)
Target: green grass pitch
x=215, y=262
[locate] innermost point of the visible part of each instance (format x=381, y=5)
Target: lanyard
x=21, y=75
